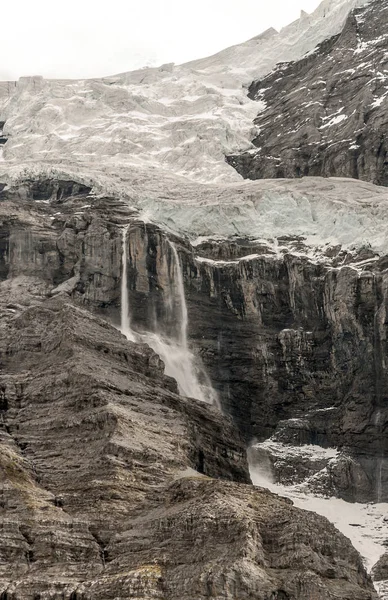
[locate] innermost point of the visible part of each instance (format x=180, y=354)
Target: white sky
x=90, y=38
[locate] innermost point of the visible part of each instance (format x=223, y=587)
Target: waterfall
x=380, y=460
x=184, y=319
x=179, y=362
x=125, y=319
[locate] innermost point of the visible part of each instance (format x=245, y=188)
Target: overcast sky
x=91, y=38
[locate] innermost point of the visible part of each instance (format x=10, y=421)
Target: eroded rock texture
x=326, y=114
x=90, y=427
x=295, y=347
x=108, y=482
x=113, y=485
x=299, y=352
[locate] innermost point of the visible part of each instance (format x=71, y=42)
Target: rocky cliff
x=114, y=486
x=326, y=114
x=295, y=347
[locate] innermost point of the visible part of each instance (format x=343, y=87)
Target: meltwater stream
x=180, y=363
x=125, y=320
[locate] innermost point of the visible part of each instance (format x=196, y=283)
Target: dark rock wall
x=113, y=486
x=326, y=114
x=294, y=347
x=288, y=339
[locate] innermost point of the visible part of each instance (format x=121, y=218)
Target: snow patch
x=363, y=524
x=334, y=121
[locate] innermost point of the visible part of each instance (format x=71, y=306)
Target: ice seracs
x=182, y=119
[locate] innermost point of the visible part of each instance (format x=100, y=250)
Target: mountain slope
x=119, y=214
x=108, y=478
x=327, y=114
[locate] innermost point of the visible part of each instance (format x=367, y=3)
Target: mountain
x=172, y=332
x=326, y=114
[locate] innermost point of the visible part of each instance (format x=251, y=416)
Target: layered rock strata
x=90, y=427
x=294, y=346
x=109, y=481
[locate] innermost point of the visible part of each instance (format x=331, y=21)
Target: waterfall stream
x=184, y=319
x=379, y=466
x=180, y=363
x=125, y=320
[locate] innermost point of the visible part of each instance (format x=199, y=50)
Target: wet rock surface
x=326, y=114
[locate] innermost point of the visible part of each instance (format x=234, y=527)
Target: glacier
x=181, y=119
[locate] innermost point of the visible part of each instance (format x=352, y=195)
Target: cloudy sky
x=91, y=38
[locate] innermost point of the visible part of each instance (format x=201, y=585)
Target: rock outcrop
x=90, y=426
x=327, y=113
x=380, y=570
x=299, y=352
x=380, y=576
x=115, y=483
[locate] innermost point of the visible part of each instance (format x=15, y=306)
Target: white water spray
x=179, y=362
x=184, y=318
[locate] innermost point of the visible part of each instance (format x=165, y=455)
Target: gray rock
x=109, y=481
x=380, y=570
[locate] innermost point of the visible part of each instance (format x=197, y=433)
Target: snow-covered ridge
x=182, y=119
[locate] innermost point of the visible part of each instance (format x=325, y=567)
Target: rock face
x=109, y=481
x=326, y=114
x=113, y=483
x=248, y=532
x=298, y=350
x=295, y=347
x=3, y=138
x=90, y=427
x=380, y=570
x=380, y=576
